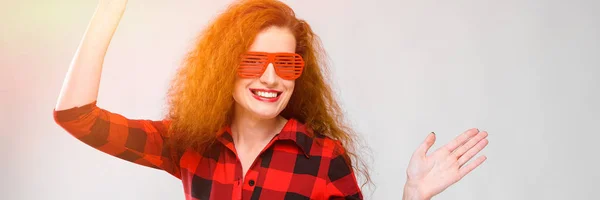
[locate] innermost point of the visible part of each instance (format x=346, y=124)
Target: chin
x=265, y=114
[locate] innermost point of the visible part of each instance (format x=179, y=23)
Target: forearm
x=83, y=77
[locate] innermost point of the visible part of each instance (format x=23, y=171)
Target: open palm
x=431, y=174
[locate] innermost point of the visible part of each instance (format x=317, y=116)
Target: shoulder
x=328, y=146
x=318, y=144
x=314, y=143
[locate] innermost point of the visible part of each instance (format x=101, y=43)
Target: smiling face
x=266, y=96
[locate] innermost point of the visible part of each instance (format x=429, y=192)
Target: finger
x=461, y=139
x=468, y=168
x=470, y=144
x=424, y=147
x=472, y=152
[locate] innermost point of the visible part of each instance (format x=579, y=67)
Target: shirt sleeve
x=135, y=140
x=342, y=182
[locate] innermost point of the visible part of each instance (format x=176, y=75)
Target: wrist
x=413, y=191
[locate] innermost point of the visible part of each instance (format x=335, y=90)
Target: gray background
x=526, y=71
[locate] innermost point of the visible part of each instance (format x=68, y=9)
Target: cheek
x=289, y=85
x=238, y=88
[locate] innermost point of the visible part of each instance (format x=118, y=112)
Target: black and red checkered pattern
x=296, y=164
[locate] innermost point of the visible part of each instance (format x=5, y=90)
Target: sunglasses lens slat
x=289, y=66
x=252, y=65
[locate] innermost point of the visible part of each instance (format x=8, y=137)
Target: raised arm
x=81, y=83
x=135, y=140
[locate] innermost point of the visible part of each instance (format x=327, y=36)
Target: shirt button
x=251, y=182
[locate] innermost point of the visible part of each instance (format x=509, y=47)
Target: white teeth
x=266, y=94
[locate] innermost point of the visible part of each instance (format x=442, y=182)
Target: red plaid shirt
x=293, y=165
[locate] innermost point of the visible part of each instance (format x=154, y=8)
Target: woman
x=251, y=116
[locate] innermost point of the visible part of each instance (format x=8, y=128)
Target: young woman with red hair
x=251, y=115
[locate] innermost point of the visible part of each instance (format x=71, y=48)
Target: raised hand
x=428, y=175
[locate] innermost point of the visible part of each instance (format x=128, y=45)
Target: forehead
x=274, y=39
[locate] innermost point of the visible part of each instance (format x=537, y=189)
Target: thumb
x=429, y=140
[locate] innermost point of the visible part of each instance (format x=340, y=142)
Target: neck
x=251, y=132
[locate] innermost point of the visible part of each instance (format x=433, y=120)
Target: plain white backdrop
x=525, y=71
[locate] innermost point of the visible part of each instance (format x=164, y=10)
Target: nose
x=269, y=78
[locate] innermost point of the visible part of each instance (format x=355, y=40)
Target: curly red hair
x=200, y=98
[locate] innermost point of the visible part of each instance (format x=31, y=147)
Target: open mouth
x=265, y=95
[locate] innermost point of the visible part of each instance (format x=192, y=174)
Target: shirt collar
x=293, y=130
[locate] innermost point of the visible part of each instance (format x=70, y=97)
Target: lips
x=265, y=95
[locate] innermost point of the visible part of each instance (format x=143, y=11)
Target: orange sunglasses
x=288, y=66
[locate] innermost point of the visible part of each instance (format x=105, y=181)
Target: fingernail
x=433, y=132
